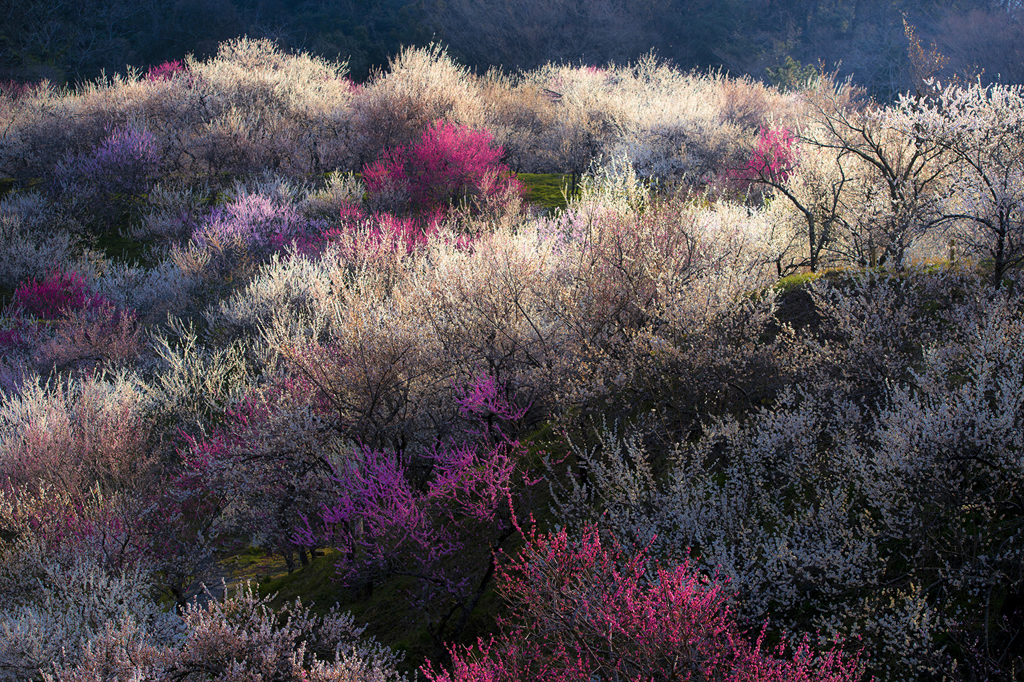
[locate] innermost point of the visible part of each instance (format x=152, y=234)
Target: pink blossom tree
x=165, y=71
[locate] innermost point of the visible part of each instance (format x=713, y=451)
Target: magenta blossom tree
x=449, y=165
x=57, y=295
x=166, y=71
x=771, y=160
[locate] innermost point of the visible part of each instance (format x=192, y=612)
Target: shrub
x=172, y=214
x=32, y=239
x=80, y=329
x=253, y=221
x=889, y=467
x=104, y=336
x=420, y=86
x=15, y=89
x=239, y=637
x=152, y=292
x=232, y=240
x=72, y=434
x=254, y=107
x=196, y=383
x=56, y=601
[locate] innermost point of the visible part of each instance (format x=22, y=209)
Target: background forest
x=572, y=372
x=71, y=41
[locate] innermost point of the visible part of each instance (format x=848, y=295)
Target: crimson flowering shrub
x=486, y=401
x=79, y=329
x=587, y=609
x=448, y=165
x=403, y=234
x=18, y=336
x=58, y=295
x=381, y=516
x=166, y=71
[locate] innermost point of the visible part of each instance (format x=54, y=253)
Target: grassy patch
x=123, y=249
x=253, y=564
x=314, y=583
x=547, y=190
x=386, y=610
x=13, y=185
x=6, y=297
x=797, y=281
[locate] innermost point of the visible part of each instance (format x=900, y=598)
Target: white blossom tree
x=981, y=130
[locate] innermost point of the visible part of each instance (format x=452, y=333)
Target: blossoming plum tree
x=449, y=165
x=587, y=609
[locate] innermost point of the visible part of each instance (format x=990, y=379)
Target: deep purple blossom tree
x=105, y=185
x=437, y=517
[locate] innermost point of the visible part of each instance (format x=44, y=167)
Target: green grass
x=12, y=185
x=314, y=583
x=797, y=281
x=547, y=190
